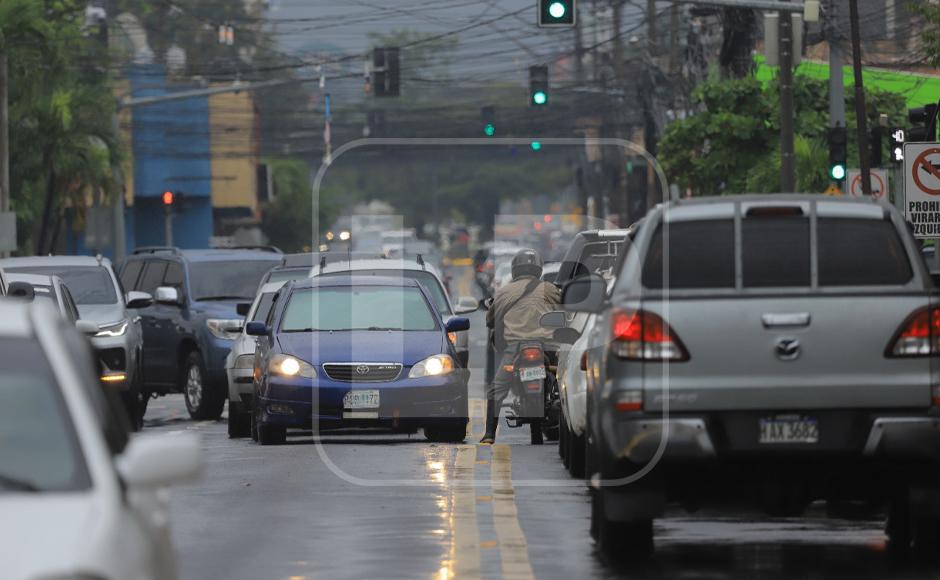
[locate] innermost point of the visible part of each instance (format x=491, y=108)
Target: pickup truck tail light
x=642, y=335
x=919, y=335
x=936, y=395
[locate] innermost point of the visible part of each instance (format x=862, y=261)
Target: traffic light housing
x=838, y=141
x=538, y=85
x=557, y=13
x=386, y=72
x=923, y=124
x=488, y=118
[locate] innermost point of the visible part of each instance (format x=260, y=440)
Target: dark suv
x=189, y=329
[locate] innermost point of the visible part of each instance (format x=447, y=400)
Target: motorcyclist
x=514, y=317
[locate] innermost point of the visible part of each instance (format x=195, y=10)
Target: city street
x=280, y=512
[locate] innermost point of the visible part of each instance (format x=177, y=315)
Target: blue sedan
x=357, y=352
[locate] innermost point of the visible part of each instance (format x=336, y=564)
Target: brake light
x=532, y=354
x=642, y=335
x=936, y=395
x=919, y=335
x=584, y=361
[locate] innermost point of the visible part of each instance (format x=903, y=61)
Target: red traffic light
x=167, y=198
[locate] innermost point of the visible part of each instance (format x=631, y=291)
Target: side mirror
x=486, y=303
x=21, y=290
x=584, y=294
x=258, y=329
x=457, y=324
x=566, y=335
x=153, y=461
x=242, y=308
x=136, y=299
x=167, y=295
x=935, y=276
x=466, y=305
x=555, y=319
x=87, y=327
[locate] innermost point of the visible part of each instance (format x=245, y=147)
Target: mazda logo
x=362, y=370
x=788, y=348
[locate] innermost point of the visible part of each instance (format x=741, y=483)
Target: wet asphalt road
x=383, y=506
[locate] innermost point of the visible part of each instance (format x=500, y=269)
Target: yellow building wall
x=234, y=148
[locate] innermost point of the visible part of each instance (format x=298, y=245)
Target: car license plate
x=789, y=429
x=364, y=399
x=531, y=373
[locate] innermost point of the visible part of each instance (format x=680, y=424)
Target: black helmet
x=526, y=263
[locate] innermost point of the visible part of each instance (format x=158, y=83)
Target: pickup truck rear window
x=701, y=255
x=854, y=252
x=776, y=252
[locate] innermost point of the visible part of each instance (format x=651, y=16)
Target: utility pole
x=650, y=26
x=860, y=118
x=787, y=165
x=836, y=81
x=674, y=38
x=4, y=141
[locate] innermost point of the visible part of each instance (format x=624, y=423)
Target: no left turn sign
x=922, y=188
x=879, y=183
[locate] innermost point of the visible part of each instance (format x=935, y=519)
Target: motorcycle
x=537, y=401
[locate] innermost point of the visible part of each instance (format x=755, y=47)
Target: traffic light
x=556, y=13
x=838, y=139
x=923, y=123
x=538, y=85
x=168, y=198
x=386, y=72
x=874, y=157
x=898, y=136
x=488, y=117
x=536, y=145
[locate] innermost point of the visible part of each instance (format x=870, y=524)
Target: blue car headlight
x=284, y=365
x=433, y=366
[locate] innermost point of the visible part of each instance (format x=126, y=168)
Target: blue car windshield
x=358, y=308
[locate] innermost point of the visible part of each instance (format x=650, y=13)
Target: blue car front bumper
x=299, y=403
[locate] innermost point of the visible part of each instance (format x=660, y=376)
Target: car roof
x=270, y=287
x=34, y=279
x=221, y=255
x=45, y=261
x=15, y=315
x=356, y=281
x=375, y=264
x=723, y=207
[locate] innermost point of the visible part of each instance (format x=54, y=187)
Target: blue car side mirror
x=256, y=329
x=457, y=324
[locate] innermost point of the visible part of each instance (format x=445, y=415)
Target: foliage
x=62, y=140
x=732, y=143
x=288, y=220
x=930, y=36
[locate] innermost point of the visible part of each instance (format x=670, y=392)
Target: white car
x=240, y=363
x=572, y=386
x=79, y=497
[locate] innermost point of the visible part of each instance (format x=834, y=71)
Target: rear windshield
x=375, y=308
x=88, y=284
x=776, y=252
x=227, y=279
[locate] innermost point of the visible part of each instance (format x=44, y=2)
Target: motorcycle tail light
x=534, y=386
x=532, y=354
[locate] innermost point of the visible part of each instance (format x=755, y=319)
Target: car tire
x=253, y=427
x=620, y=542
x=576, y=453
x=271, y=434
x=452, y=432
x=203, y=401
x=563, y=441
x=239, y=422
x=131, y=401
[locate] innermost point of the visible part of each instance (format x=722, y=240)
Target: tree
x=288, y=220
x=732, y=143
x=930, y=36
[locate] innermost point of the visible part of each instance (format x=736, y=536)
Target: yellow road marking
x=464, y=557
x=513, y=547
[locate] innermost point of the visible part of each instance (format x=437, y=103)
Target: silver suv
x=768, y=350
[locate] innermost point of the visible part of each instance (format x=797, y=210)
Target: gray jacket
x=521, y=322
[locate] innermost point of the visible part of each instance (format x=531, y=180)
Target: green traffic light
x=837, y=172
x=536, y=145
x=557, y=10
x=490, y=130
x=539, y=97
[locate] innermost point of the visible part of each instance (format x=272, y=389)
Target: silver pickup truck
x=771, y=350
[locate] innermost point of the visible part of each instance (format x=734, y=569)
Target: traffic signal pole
x=836, y=80
x=787, y=161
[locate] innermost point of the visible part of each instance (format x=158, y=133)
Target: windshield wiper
x=14, y=483
x=223, y=298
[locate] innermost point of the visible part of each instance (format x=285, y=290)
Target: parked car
x=792, y=360
x=79, y=498
x=416, y=269
x=189, y=329
x=101, y=299
x=52, y=290
x=358, y=351
x=240, y=362
x=596, y=251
